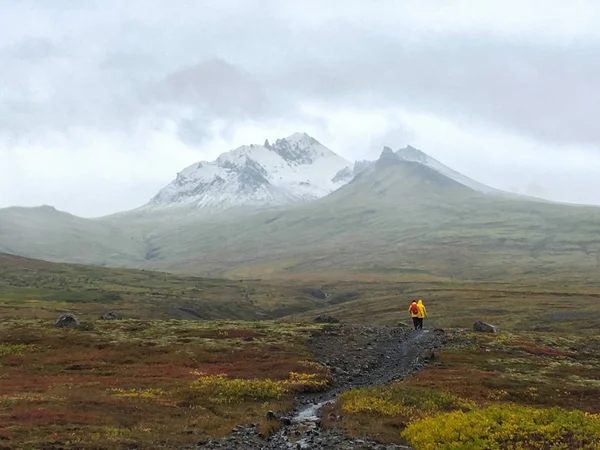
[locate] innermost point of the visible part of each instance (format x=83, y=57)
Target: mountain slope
x=411, y=154
x=46, y=233
x=297, y=168
x=398, y=215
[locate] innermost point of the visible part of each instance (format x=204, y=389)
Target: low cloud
x=110, y=99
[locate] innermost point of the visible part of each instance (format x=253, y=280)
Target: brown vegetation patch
x=128, y=382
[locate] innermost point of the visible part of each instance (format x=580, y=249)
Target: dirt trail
x=358, y=356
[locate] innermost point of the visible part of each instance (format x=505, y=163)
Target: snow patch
x=294, y=169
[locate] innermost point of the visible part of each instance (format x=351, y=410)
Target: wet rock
x=339, y=371
x=285, y=421
x=484, y=327
x=67, y=321
x=270, y=415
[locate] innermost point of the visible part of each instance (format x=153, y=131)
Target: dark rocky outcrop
x=484, y=327
x=67, y=321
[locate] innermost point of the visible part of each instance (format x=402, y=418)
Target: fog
x=102, y=102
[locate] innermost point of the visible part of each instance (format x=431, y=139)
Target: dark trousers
x=420, y=324
x=416, y=322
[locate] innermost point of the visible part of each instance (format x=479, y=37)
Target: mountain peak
x=295, y=168
x=302, y=137
x=410, y=153
x=387, y=157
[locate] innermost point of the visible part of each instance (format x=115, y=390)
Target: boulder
x=326, y=319
x=111, y=316
x=67, y=321
x=427, y=355
x=285, y=421
x=484, y=327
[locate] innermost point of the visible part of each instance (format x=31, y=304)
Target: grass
x=548, y=307
x=521, y=373
x=149, y=383
x=37, y=289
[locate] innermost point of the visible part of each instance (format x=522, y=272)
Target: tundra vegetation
x=154, y=380
x=525, y=390
x=148, y=383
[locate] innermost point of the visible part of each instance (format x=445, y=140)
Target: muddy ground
x=358, y=356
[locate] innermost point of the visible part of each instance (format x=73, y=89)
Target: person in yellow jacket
x=414, y=311
x=422, y=313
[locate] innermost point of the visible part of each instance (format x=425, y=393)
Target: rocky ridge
x=293, y=169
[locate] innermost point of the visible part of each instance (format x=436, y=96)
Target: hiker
x=422, y=313
x=414, y=311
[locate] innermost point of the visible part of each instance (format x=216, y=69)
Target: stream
x=357, y=356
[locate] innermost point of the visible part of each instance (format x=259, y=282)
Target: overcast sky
x=102, y=102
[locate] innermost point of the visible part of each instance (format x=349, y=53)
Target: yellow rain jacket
x=422, y=311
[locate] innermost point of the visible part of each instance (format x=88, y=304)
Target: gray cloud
x=185, y=80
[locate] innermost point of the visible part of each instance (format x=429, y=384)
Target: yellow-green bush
x=221, y=389
x=149, y=394
x=15, y=349
x=305, y=382
x=501, y=427
x=405, y=403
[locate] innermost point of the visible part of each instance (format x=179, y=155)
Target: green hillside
x=37, y=289
x=53, y=235
x=399, y=217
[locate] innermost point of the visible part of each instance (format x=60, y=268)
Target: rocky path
x=358, y=356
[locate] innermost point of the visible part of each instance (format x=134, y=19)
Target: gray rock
x=484, y=327
x=427, y=355
x=111, y=316
x=67, y=321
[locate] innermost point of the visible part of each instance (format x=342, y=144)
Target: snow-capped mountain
x=294, y=169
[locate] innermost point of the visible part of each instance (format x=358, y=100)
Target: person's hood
x=420, y=303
